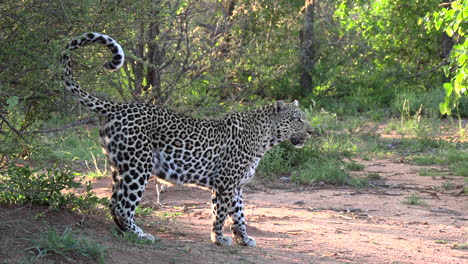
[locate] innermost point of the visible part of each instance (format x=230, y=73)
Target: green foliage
x=49, y=187
x=66, y=245
x=131, y=237
x=22, y=184
x=448, y=185
x=452, y=19
x=278, y=161
x=374, y=176
x=382, y=51
x=319, y=171
x=414, y=199
x=354, y=166
x=143, y=211
x=320, y=161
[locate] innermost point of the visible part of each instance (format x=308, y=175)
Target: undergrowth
x=418, y=139
x=51, y=187
x=67, y=245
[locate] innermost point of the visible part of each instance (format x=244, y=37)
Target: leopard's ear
x=296, y=103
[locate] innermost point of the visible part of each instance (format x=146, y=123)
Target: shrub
x=45, y=187
x=318, y=171
x=66, y=245
x=277, y=161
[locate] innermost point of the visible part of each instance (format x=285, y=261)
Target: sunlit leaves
x=453, y=20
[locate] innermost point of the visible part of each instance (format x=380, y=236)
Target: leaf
x=448, y=89
x=465, y=13
x=459, y=89
x=462, y=59
x=438, y=23
x=446, y=71
x=444, y=107
x=449, y=31
x=450, y=13
x=420, y=21
x=459, y=78
x=12, y=101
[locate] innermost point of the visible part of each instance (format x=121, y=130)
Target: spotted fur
x=220, y=154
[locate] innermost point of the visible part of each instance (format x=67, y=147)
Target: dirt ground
x=291, y=223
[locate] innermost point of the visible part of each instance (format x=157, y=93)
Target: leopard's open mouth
x=298, y=140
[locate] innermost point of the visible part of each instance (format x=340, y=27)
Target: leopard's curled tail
x=92, y=103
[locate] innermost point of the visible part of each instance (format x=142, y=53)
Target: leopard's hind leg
x=131, y=171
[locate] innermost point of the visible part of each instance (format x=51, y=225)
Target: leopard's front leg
x=220, y=202
x=238, y=227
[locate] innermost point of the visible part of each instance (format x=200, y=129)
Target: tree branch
x=89, y=120
x=13, y=128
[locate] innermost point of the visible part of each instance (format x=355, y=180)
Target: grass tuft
x=414, y=199
x=66, y=245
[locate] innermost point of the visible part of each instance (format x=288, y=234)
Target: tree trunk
x=307, y=45
x=446, y=45
x=138, y=66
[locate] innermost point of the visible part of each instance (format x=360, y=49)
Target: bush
x=66, y=245
x=319, y=171
x=45, y=187
x=279, y=160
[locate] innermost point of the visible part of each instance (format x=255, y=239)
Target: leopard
x=221, y=154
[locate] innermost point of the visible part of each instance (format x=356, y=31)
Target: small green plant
x=49, y=187
x=22, y=184
x=168, y=214
x=431, y=172
x=461, y=246
x=448, y=185
x=143, y=211
x=130, y=237
x=414, y=199
x=425, y=160
x=354, y=166
x=459, y=169
x=97, y=173
x=277, y=161
x=358, y=182
x=65, y=244
x=319, y=171
x=374, y=176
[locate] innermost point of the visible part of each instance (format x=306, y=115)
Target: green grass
x=143, y=211
x=50, y=186
x=131, y=237
x=425, y=160
x=345, y=137
x=460, y=246
x=414, y=199
x=374, y=176
x=459, y=169
x=448, y=185
x=432, y=172
x=278, y=161
x=66, y=245
x=354, y=166
x=321, y=171
x=74, y=144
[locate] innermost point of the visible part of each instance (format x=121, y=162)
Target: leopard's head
x=290, y=123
